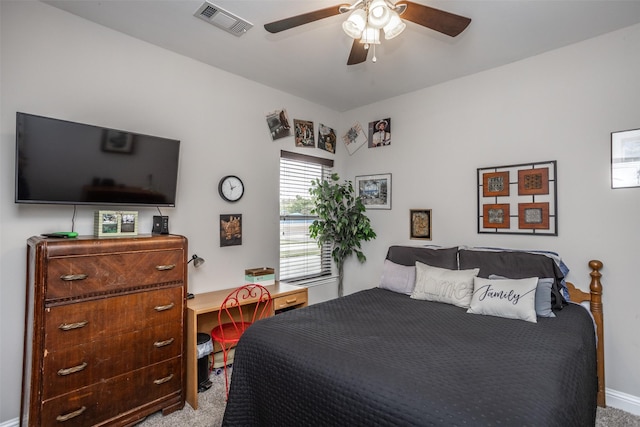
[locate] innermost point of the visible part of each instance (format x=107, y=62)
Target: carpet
x=211, y=409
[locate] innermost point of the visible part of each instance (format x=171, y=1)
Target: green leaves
x=342, y=222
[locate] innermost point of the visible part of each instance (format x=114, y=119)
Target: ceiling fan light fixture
x=370, y=36
x=355, y=24
x=379, y=14
x=394, y=27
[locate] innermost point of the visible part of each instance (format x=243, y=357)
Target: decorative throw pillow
x=510, y=298
x=398, y=278
x=442, y=285
x=543, y=295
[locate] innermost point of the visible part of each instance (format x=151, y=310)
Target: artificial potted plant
x=341, y=221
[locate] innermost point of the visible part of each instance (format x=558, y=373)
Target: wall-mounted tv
x=63, y=162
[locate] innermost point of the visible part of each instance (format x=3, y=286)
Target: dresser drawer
x=291, y=300
x=82, y=365
x=94, y=275
x=72, y=324
x=95, y=404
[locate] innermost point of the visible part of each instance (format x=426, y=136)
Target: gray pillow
x=398, y=278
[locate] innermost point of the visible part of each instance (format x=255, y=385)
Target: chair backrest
x=245, y=304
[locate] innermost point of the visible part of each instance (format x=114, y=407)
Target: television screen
x=63, y=162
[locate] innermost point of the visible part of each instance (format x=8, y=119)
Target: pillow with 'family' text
x=510, y=298
x=543, y=295
x=443, y=285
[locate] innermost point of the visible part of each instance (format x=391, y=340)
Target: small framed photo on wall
x=374, y=190
x=625, y=159
x=420, y=221
x=230, y=230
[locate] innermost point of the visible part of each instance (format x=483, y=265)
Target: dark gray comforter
x=378, y=358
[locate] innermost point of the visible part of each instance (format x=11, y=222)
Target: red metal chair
x=238, y=311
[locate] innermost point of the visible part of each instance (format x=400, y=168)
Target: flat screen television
x=63, y=162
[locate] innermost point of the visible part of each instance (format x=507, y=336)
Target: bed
x=387, y=356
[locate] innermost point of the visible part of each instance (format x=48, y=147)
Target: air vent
x=215, y=15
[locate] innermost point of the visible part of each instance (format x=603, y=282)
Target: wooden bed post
x=595, y=306
x=596, y=309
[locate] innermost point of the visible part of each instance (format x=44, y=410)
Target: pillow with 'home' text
x=443, y=285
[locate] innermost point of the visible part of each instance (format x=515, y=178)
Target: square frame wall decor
x=374, y=190
x=518, y=199
x=625, y=159
x=420, y=224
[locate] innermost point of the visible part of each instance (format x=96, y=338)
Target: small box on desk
x=260, y=276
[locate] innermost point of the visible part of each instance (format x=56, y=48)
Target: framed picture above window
x=625, y=159
x=374, y=190
x=518, y=199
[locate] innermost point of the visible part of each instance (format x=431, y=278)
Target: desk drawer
x=291, y=300
x=78, y=276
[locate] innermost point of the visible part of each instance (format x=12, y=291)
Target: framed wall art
x=420, y=221
x=230, y=230
x=374, y=190
x=625, y=159
x=518, y=199
x=354, y=138
x=380, y=133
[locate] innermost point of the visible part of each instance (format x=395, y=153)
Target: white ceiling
x=310, y=61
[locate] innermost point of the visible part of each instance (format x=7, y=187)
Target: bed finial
x=596, y=309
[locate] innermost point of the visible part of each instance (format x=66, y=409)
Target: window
x=300, y=256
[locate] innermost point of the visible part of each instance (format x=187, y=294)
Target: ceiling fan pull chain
x=374, y=59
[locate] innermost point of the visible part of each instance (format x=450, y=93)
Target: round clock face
x=231, y=188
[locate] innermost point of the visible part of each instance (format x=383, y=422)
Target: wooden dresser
x=104, y=334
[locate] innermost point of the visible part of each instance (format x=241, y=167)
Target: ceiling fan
x=368, y=17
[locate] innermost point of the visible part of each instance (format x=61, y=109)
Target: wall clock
x=231, y=188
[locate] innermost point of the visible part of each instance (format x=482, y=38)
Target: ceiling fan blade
x=436, y=19
x=358, y=53
x=305, y=18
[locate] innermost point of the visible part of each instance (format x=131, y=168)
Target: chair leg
x=226, y=379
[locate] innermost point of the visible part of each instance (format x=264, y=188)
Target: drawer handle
x=291, y=301
x=164, y=307
x=70, y=415
x=163, y=380
x=72, y=370
x=71, y=326
x=72, y=277
x=165, y=267
x=164, y=343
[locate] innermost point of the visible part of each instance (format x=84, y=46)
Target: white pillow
x=398, y=278
x=510, y=298
x=442, y=285
x=543, y=295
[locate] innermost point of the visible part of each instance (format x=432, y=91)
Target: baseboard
x=624, y=401
x=11, y=423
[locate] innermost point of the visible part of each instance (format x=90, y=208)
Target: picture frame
x=115, y=141
x=420, y=224
x=625, y=159
x=327, y=138
x=374, y=190
x=354, y=138
x=230, y=230
x=380, y=133
x=304, y=133
x=278, y=123
x=518, y=199
x=115, y=223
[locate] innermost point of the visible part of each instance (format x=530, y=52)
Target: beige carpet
x=211, y=409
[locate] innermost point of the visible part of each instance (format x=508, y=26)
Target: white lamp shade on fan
x=379, y=14
x=370, y=35
x=355, y=24
x=394, y=27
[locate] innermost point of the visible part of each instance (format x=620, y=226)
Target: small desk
x=202, y=316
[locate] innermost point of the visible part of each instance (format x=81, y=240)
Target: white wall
x=561, y=106
x=558, y=106
x=55, y=64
